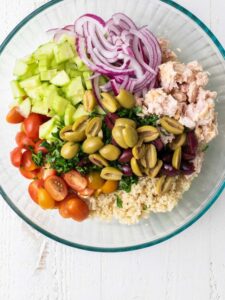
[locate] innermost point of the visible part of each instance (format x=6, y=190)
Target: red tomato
x=45, y=173
x=16, y=157
x=23, y=141
x=74, y=208
x=45, y=200
x=39, y=148
x=27, y=162
x=33, y=188
x=14, y=116
x=31, y=125
x=75, y=180
x=29, y=174
x=86, y=192
x=56, y=187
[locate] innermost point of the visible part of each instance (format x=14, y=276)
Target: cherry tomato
x=109, y=186
x=16, y=157
x=39, y=148
x=31, y=125
x=75, y=208
x=14, y=117
x=29, y=174
x=27, y=162
x=23, y=141
x=75, y=180
x=33, y=188
x=56, y=187
x=86, y=193
x=45, y=173
x=95, y=181
x=45, y=200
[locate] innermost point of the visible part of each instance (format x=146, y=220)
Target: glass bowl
x=194, y=42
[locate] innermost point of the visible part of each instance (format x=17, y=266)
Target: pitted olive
x=117, y=134
x=109, y=102
x=80, y=124
x=110, y=152
x=89, y=101
x=98, y=160
x=93, y=126
x=151, y=156
x=124, y=122
x=126, y=99
x=92, y=144
x=152, y=173
x=69, y=150
x=178, y=142
x=135, y=167
x=110, y=173
x=66, y=134
x=164, y=185
x=171, y=125
x=176, y=160
x=138, y=151
x=130, y=136
x=148, y=133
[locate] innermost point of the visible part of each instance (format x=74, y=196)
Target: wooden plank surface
x=191, y=266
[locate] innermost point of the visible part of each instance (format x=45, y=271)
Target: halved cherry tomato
x=109, y=186
x=31, y=125
x=74, y=208
x=75, y=180
x=27, y=162
x=39, y=148
x=86, y=193
x=16, y=157
x=45, y=200
x=56, y=187
x=29, y=174
x=33, y=188
x=95, y=181
x=45, y=173
x=14, y=117
x=23, y=141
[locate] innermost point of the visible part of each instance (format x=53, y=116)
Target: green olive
x=100, y=134
x=92, y=144
x=110, y=152
x=151, y=156
x=126, y=99
x=152, y=173
x=110, y=173
x=138, y=151
x=89, y=101
x=98, y=160
x=93, y=126
x=109, y=102
x=66, y=134
x=143, y=162
x=171, y=125
x=80, y=124
x=178, y=142
x=135, y=167
x=124, y=122
x=69, y=150
x=130, y=136
x=117, y=134
x=164, y=185
x=176, y=160
x=148, y=133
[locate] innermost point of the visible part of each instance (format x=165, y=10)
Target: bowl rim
x=138, y=246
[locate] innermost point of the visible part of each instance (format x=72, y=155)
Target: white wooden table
x=190, y=266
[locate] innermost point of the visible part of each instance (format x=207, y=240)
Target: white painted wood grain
x=191, y=266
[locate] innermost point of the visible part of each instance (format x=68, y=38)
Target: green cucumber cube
x=31, y=82
x=60, y=79
x=69, y=113
x=17, y=91
x=20, y=68
x=25, y=107
x=86, y=76
x=63, y=52
x=48, y=74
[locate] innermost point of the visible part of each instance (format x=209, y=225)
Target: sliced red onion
x=78, y=25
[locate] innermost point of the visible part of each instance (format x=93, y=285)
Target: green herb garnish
x=133, y=114
x=119, y=202
x=126, y=182
x=38, y=158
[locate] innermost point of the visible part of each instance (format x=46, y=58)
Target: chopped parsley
x=119, y=202
x=126, y=183
x=133, y=114
x=38, y=158
x=144, y=206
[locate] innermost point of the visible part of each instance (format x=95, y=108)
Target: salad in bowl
x=113, y=124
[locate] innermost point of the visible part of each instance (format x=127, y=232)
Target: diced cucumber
x=86, y=76
x=31, y=82
x=68, y=38
x=37, y=92
x=80, y=112
x=40, y=106
x=25, y=107
x=47, y=128
x=59, y=105
x=29, y=59
x=69, y=113
x=60, y=79
x=43, y=63
x=45, y=49
x=48, y=75
x=75, y=89
x=63, y=52
x=20, y=68
x=17, y=91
